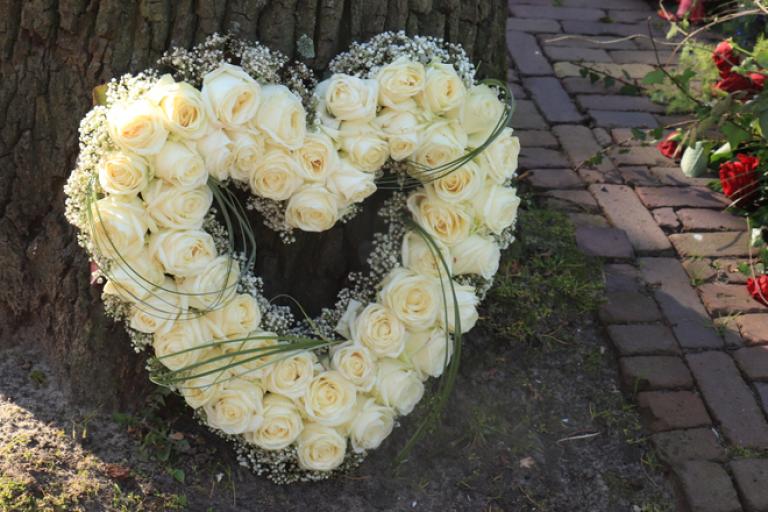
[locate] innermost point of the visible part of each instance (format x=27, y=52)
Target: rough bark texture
x=52, y=53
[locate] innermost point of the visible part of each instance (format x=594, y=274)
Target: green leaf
x=761, y=57
x=177, y=474
x=583, y=72
x=763, y=123
x=654, y=77
x=630, y=90
x=609, y=81
x=638, y=134
x=734, y=134
x=744, y=268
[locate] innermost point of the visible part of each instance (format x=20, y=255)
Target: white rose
x=476, y=255
x=218, y=152
x=459, y=185
x=199, y=391
x=312, y=208
x=281, y=425
x=179, y=164
x=133, y=278
x=449, y=223
x=291, y=376
x=254, y=354
x=317, y=157
x=237, y=408
x=247, y=150
x=349, y=98
x=356, y=364
x=421, y=257
x=500, y=158
x=173, y=207
x=137, y=126
x=413, y=298
x=118, y=226
x=426, y=351
x=320, y=448
x=158, y=311
x=377, y=328
x=177, y=347
x=496, y=206
x=213, y=285
x=364, y=146
x=371, y=425
x=282, y=117
x=441, y=144
x=182, y=107
x=467, y=302
x=329, y=399
x=231, y=96
x=398, y=386
x=182, y=253
x=443, y=90
x=123, y=173
x=349, y=184
x=240, y=316
x=399, y=81
x=480, y=113
x=277, y=176
x=402, y=129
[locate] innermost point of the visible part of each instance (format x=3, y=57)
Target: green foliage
x=695, y=73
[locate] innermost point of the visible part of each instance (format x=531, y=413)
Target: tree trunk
x=52, y=53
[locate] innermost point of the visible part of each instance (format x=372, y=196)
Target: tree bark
x=52, y=53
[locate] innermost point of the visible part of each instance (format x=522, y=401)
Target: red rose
x=725, y=58
x=669, y=146
x=739, y=179
x=758, y=288
x=758, y=81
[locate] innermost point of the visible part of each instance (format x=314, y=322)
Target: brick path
x=692, y=345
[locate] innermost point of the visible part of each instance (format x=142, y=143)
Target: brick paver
x=707, y=487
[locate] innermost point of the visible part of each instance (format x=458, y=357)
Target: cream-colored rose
x=281, y=426
x=467, y=302
x=118, y=226
x=237, y=408
x=137, y=126
x=282, y=117
x=429, y=351
x=349, y=98
x=212, y=286
x=240, y=316
x=496, y=206
x=277, y=176
x=356, y=364
x=413, y=298
x=133, y=278
x=179, y=164
x=123, y=173
x=377, y=328
x=402, y=130
x=317, y=157
x=218, y=152
x=182, y=253
x=182, y=107
x=476, y=255
x=398, y=386
x=349, y=184
x=400, y=81
x=371, y=424
x=312, y=208
x=200, y=390
x=480, y=113
x=442, y=143
x=173, y=207
x=231, y=96
x=177, y=347
x=254, y=354
x=449, y=223
x=329, y=399
x=458, y=185
x=247, y=150
x=320, y=448
x=364, y=146
x=160, y=309
x=291, y=376
x=499, y=160
x=443, y=90
x=421, y=257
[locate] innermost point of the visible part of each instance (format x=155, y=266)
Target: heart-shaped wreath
x=299, y=397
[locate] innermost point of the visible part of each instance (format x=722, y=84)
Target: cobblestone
x=672, y=410
x=642, y=373
x=682, y=445
x=707, y=487
x=643, y=339
x=751, y=476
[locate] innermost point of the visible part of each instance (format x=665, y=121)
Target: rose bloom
x=159, y=311
x=449, y=223
x=239, y=317
x=320, y=448
x=281, y=116
x=173, y=207
x=371, y=424
x=180, y=164
x=231, y=96
x=329, y=399
x=247, y=150
x=218, y=152
x=399, y=81
x=499, y=160
x=670, y=146
x=480, y=113
x=133, y=278
x=442, y=143
x=443, y=90
x=377, y=328
x=496, y=206
x=349, y=184
x=420, y=256
x=173, y=347
x=137, y=126
x=291, y=376
x=348, y=98
x=458, y=185
x=123, y=173
x=253, y=353
x=281, y=424
x=398, y=386
x=725, y=58
x=739, y=178
x=237, y=408
x=426, y=351
x=317, y=157
x=356, y=364
x=412, y=298
x=118, y=226
x=199, y=391
x=758, y=288
x=467, y=302
x=182, y=107
x=213, y=285
x=182, y=253
x=277, y=176
x=476, y=255
x=312, y=208
x=733, y=82
x=401, y=129
x=363, y=145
